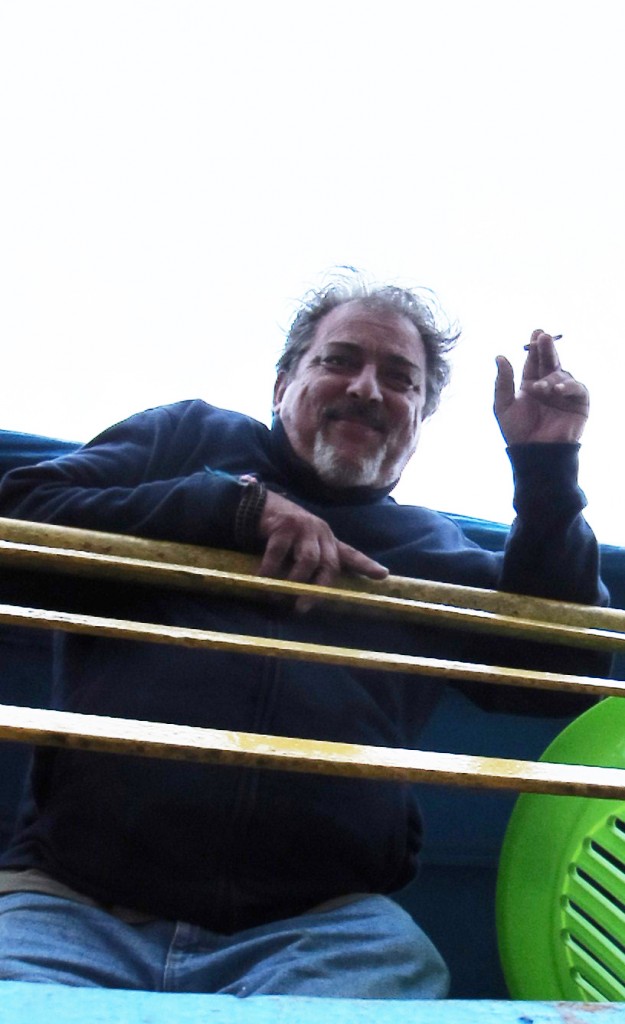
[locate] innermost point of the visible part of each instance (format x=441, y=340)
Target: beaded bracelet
x=249, y=511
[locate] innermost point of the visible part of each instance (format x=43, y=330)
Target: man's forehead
x=359, y=322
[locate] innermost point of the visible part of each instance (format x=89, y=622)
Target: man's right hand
x=301, y=547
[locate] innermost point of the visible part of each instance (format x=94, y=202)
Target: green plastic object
x=561, y=884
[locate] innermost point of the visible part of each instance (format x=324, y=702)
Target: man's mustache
x=358, y=412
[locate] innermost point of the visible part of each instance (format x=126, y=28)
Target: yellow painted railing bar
x=232, y=562
x=80, y=563
x=269, y=647
x=216, y=746
x=126, y=568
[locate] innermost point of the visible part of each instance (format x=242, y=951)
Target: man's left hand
x=550, y=406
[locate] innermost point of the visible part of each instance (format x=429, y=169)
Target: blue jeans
x=367, y=948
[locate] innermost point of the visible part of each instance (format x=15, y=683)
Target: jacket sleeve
x=134, y=478
x=551, y=552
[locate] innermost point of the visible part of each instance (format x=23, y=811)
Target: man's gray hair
x=412, y=304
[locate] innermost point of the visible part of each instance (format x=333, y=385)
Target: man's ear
x=278, y=389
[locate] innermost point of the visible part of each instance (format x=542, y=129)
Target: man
x=154, y=875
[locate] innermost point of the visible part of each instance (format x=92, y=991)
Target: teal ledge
x=43, y=1004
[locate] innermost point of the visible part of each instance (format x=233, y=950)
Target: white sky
x=174, y=175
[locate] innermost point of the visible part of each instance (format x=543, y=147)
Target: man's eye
x=401, y=381
x=336, y=362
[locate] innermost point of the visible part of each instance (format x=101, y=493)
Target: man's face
x=353, y=407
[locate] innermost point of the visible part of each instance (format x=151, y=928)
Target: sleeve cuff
x=545, y=479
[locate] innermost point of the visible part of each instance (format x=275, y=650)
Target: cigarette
x=554, y=337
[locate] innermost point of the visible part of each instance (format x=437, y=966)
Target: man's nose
x=364, y=384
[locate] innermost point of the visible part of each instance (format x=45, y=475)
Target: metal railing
x=131, y=559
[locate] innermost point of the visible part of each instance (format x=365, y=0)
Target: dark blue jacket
x=229, y=848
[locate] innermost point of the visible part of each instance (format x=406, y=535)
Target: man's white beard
x=338, y=470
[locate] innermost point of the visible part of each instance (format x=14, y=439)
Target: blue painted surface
x=42, y=1004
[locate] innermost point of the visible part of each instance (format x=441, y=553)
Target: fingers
x=543, y=375
x=277, y=556
x=340, y=559
x=315, y=560
x=504, y=386
x=353, y=561
x=549, y=407
x=301, y=547
x=561, y=389
x=547, y=380
x=542, y=356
